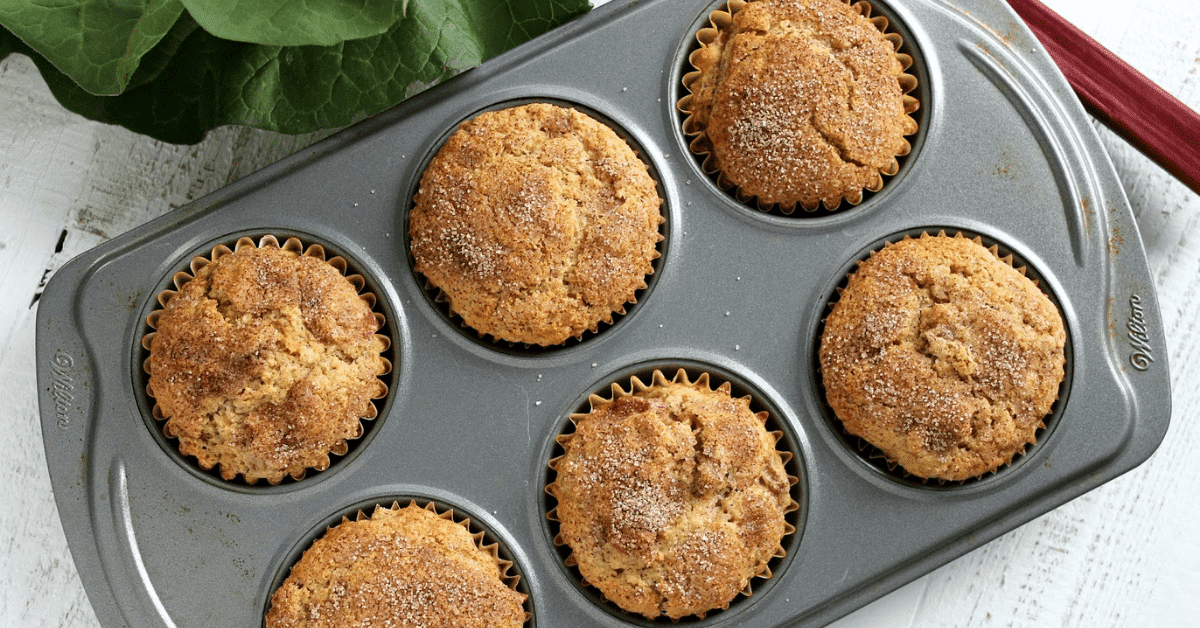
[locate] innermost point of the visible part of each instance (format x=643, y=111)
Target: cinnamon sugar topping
x=943, y=356
x=798, y=102
x=265, y=362
x=400, y=568
x=671, y=497
x=536, y=223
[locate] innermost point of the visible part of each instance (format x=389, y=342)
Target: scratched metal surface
x=1102, y=252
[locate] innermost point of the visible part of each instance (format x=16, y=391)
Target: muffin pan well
x=870, y=454
x=1004, y=151
x=738, y=388
x=713, y=28
x=510, y=571
x=366, y=286
x=440, y=302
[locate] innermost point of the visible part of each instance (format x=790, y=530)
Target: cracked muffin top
x=671, y=497
x=536, y=223
x=265, y=362
x=799, y=102
x=943, y=356
x=405, y=566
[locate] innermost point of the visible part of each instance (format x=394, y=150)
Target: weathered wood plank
x=66, y=185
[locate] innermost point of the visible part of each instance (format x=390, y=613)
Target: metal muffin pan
x=1005, y=152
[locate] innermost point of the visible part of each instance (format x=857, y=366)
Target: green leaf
x=159, y=57
x=295, y=22
x=99, y=44
x=208, y=82
x=8, y=43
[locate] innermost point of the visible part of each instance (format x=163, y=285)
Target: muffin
x=400, y=567
x=799, y=102
x=943, y=356
x=671, y=497
x=535, y=223
x=266, y=361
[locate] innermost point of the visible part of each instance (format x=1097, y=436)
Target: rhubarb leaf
x=194, y=81
x=98, y=44
x=295, y=22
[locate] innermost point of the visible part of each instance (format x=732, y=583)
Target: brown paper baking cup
x=696, y=110
x=887, y=464
x=637, y=388
x=468, y=262
x=195, y=447
x=418, y=592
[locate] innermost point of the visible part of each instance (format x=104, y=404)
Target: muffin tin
x=1004, y=152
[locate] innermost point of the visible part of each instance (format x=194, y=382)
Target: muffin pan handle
x=68, y=384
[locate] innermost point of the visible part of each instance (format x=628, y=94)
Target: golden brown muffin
x=671, y=497
x=536, y=223
x=799, y=102
x=943, y=356
x=266, y=361
x=401, y=567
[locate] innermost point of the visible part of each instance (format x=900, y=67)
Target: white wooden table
x=1126, y=554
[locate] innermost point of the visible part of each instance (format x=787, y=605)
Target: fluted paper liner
x=702, y=382
x=700, y=144
x=294, y=245
x=869, y=451
x=576, y=330
x=482, y=539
